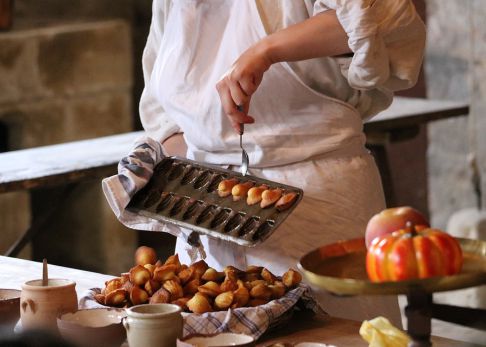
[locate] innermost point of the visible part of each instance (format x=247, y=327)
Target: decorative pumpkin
x=413, y=252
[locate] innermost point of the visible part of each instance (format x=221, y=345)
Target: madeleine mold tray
x=185, y=193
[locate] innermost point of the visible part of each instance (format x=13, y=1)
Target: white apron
x=300, y=137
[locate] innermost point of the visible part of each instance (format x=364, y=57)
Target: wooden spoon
x=45, y=278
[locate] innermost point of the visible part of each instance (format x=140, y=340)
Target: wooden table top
x=333, y=331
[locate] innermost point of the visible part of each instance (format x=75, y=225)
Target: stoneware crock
x=9, y=309
x=153, y=325
x=41, y=305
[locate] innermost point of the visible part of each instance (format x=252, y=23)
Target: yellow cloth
x=379, y=332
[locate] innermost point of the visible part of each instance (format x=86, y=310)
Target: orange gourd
x=411, y=253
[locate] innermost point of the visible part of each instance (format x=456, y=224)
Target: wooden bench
x=68, y=163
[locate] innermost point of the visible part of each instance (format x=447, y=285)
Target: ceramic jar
x=153, y=325
x=41, y=305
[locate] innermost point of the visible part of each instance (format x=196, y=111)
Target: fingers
x=235, y=115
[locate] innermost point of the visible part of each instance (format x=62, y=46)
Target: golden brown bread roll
x=223, y=300
x=138, y=296
x=139, y=275
x=199, y=304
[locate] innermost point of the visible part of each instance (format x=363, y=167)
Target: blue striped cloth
x=252, y=321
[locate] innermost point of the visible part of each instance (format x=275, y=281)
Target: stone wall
x=65, y=82
x=456, y=70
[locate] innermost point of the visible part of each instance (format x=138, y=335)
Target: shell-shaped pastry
x=174, y=260
x=125, y=277
x=278, y=289
x=225, y=187
x=250, y=277
x=151, y=286
x=261, y=291
x=113, y=284
x=270, y=196
x=254, y=195
x=191, y=286
x=286, y=201
x=161, y=296
x=138, y=296
x=268, y=276
x=230, y=283
x=151, y=268
x=211, y=289
x=117, y=297
x=199, y=304
x=185, y=275
x=181, y=302
x=139, y=275
x=240, y=190
x=100, y=298
x=199, y=268
x=174, y=288
x=252, y=284
x=223, y=300
x=291, y=278
x=165, y=272
x=232, y=270
x=212, y=275
x=254, y=269
x=240, y=297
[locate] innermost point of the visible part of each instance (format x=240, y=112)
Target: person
x=302, y=76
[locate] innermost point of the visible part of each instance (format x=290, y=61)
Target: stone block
x=65, y=60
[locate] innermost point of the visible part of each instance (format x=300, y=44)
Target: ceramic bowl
x=9, y=309
x=93, y=327
x=217, y=340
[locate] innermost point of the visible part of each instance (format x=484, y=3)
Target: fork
x=244, y=156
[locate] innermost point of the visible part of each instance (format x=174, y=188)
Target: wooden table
x=334, y=331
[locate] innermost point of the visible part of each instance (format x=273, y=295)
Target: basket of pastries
x=212, y=300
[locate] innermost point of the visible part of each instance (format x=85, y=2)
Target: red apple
x=392, y=219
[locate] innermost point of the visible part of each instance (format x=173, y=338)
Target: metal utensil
x=244, y=156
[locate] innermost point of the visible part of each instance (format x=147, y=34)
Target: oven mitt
x=379, y=332
x=134, y=172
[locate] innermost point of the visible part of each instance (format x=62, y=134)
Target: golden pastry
x=100, y=298
x=210, y=289
x=286, y=201
x=291, y=278
x=255, y=194
x=113, y=284
x=223, y=300
x=151, y=268
x=151, y=286
x=278, y=289
x=191, y=286
x=241, y=296
x=225, y=187
x=212, y=275
x=174, y=288
x=165, y=272
x=138, y=296
x=254, y=269
x=161, y=296
x=145, y=255
x=199, y=268
x=139, y=275
x=240, y=190
x=199, y=304
x=270, y=196
x=174, y=260
x=117, y=297
x=181, y=302
x=268, y=276
x=185, y=275
x=261, y=291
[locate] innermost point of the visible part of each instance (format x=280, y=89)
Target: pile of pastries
x=261, y=194
x=195, y=288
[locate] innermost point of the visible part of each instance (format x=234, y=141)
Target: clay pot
x=41, y=305
x=9, y=309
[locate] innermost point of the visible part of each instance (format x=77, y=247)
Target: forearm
x=175, y=145
x=319, y=36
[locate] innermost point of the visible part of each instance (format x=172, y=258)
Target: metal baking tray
x=184, y=193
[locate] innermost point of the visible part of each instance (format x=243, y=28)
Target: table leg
x=419, y=317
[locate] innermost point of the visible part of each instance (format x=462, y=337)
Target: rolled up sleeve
x=387, y=39
x=156, y=122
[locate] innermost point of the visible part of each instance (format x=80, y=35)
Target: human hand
x=175, y=145
x=238, y=84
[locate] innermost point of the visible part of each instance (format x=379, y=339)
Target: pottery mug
x=41, y=305
x=153, y=325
